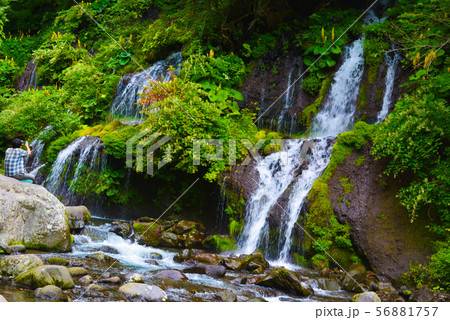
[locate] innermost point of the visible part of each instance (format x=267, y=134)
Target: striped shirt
x=14, y=162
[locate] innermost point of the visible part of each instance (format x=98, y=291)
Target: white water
x=131, y=86
x=336, y=116
x=277, y=171
x=392, y=63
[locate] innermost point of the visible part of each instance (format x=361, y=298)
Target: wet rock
x=95, y=287
x=184, y=226
x=219, y=243
x=328, y=284
x=405, y=292
x=152, y=262
x=57, y=260
x=46, y=275
x=239, y=280
x=32, y=216
x=142, y=292
x=422, y=295
x=169, y=239
x=258, y=270
x=100, y=256
x=226, y=296
x=356, y=272
x=86, y=280
x=207, y=258
x=50, y=292
x=78, y=217
x=369, y=296
x=182, y=256
x=171, y=274
x=386, y=288
x=155, y=256
x=106, y=249
x=284, y=280
x=18, y=248
x=12, y=266
x=122, y=229
x=210, y=270
x=2, y=299
x=257, y=299
x=77, y=271
x=134, y=277
x=192, y=239
x=111, y=280
x=235, y=264
x=253, y=280
x=256, y=260
x=148, y=232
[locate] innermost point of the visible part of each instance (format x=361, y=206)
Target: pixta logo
x=148, y=142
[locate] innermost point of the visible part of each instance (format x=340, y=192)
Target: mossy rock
x=366, y=297
x=57, y=260
x=46, y=275
x=285, y=280
x=256, y=260
x=219, y=243
x=77, y=271
x=12, y=266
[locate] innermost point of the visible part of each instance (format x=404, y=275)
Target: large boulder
x=78, y=217
x=256, y=260
x=12, y=266
x=284, y=280
x=148, y=231
x=142, y=292
x=46, y=275
x=32, y=216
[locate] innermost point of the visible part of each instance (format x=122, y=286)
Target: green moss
x=362, y=97
x=300, y=260
x=235, y=227
x=308, y=113
x=220, y=243
x=360, y=161
x=372, y=74
x=347, y=187
x=379, y=95
x=57, y=260
x=319, y=261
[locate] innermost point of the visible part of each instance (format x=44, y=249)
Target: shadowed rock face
x=32, y=216
x=380, y=226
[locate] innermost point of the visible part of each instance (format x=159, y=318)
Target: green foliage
x=51, y=152
x=308, y=113
x=347, y=187
x=8, y=70
x=311, y=84
x=360, y=161
x=375, y=44
x=260, y=44
x=3, y=9
x=20, y=47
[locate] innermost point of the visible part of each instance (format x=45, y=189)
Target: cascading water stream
x=392, y=63
x=309, y=156
x=131, y=86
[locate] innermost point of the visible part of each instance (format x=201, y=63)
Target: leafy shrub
x=20, y=47
x=8, y=71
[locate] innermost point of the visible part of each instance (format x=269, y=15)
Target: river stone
x=46, y=275
x=122, y=229
x=78, y=217
x=184, y=226
x=234, y=263
x=87, y=279
x=148, y=233
x=155, y=256
x=50, y=292
x=100, y=256
x=77, y=271
x=57, y=260
x=256, y=260
x=169, y=239
x=226, y=296
x=142, y=292
x=219, y=243
x=207, y=258
x=257, y=299
x=12, y=266
x=18, y=248
x=193, y=239
x=112, y=280
x=152, y=262
x=386, y=287
x=171, y=274
x=329, y=284
x=2, y=299
x=210, y=270
x=32, y=216
x=421, y=295
x=284, y=280
x=356, y=272
x=134, y=277
x=369, y=296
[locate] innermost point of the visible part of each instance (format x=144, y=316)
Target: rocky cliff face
x=32, y=216
x=380, y=226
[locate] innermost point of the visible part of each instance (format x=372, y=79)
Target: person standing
x=14, y=161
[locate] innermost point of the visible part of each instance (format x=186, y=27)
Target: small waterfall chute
x=392, y=62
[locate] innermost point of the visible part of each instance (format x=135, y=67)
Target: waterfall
x=131, y=86
x=82, y=156
x=336, y=116
x=288, y=175
x=28, y=80
x=289, y=95
x=392, y=63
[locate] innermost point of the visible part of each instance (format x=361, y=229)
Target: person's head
x=16, y=143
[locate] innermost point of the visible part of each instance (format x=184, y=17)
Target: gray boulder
x=12, y=266
x=369, y=296
x=284, y=280
x=32, y=216
x=142, y=292
x=171, y=275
